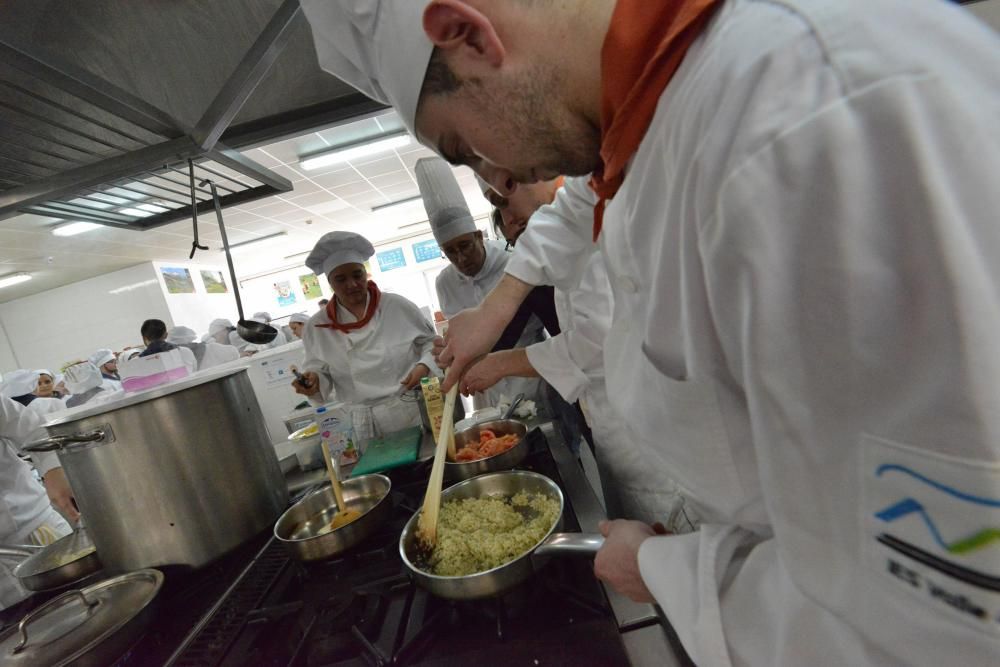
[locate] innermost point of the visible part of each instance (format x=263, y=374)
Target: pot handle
x=55, y=442
x=22, y=627
x=570, y=544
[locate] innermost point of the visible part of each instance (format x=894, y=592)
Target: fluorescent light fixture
x=136, y=212
x=298, y=254
x=354, y=151
x=74, y=228
x=398, y=202
x=133, y=286
x=153, y=208
x=14, y=279
x=244, y=244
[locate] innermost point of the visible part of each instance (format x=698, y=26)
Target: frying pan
x=256, y=333
x=494, y=582
x=46, y=568
x=299, y=528
x=504, y=461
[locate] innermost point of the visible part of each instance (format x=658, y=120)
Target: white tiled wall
x=67, y=323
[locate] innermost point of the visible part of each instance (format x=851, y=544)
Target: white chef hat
x=45, y=371
x=181, y=336
x=298, y=317
x=443, y=200
x=19, y=383
x=262, y=316
x=219, y=325
x=101, y=357
x=131, y=353
x=376, y=46
x=82, y=377
x=336, y=249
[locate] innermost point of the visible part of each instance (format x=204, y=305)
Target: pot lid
x=200, y=378
x=74, y=623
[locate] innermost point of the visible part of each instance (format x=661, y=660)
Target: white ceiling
x=323, y=200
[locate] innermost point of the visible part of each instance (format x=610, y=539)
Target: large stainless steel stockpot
x=177, y=475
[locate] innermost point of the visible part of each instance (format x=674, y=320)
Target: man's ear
x=479, y=235
x=453, y=26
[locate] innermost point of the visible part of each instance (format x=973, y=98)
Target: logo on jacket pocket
x=934, y=527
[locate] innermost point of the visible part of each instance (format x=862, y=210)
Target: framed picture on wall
x=214, y=281
x=177, y=280
x=310, y=286
x=284, y=293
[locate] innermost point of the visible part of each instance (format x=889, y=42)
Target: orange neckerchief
x=374, y=295
x=645, y=45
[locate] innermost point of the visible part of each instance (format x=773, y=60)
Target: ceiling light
x=136, y=212
x=405, y=200
x=74, y=228
x=244, y=244
x=153, y=208
x=354, y=152
x=14, y=279
x=298, y=254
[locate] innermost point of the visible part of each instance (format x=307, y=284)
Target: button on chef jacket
x=805, y=260
x=366, y=365
x=457, y=292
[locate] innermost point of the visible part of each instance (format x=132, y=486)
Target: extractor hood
x=105, y=106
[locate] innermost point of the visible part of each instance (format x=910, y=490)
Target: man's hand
x=312, y=380
x=483, y=374
x=617, y=562
x=60, y=494
x=471, y=334
x=413, y=378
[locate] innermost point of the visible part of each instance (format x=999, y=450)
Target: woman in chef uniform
x=365, y=347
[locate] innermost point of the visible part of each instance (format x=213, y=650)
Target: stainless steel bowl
x=299, y=526
x=504, y=461
x=499, y=579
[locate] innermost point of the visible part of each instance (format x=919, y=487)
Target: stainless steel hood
x=102, y=104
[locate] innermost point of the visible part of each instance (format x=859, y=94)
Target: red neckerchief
x=374, y=296
x=645, y=45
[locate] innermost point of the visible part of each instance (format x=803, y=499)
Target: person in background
x=85, y=383
x=21, y=385
x=154, y=337
x=322, y=303
x=46, y=385
x=296, y=323
x=105, y=360
x=515, y=209
x=219, y=330
x=208, y=354
x=366, y=346
x=28, y=510
x=476, y=266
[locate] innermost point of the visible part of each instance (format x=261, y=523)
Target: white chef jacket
x=804, y=257
x=457, y=292
x=573, y=363
x=365, y=366
x=217, y=354
x=23, y=501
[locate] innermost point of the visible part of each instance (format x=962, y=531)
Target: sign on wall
x=215, y=283
x=310, y=286
x=177, y=280
x=426, y=251
x=391, y=259
x=285, y=295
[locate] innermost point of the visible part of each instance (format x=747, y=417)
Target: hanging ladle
x=256, y=333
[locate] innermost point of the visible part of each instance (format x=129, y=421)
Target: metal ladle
x=256, y=333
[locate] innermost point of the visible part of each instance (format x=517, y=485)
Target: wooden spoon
x=344, y=515
x=427, y=523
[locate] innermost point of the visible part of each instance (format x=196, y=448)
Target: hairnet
x=181, y=336
x=19, y=383
x=101, y=357
x=82, y=377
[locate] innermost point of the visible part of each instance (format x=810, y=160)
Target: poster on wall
x=177, y=280
x=285, y=295
x=426, y=251
x=390, y=259
x=310, y=286
x=215, y=283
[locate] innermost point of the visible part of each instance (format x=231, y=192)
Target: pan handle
x=18, y=550
x=55, y=442
x=570, y=544
x=22, y=627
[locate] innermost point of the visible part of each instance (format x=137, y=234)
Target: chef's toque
x=443, y=200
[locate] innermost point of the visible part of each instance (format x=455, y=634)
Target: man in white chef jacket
x=476, y=266
x=26, y=507
x=798, y=214
x=366, y=347
x=573, y=362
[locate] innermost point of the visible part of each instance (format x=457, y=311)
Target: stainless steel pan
x=499, y=579
x=300, y=526
x=53, y=566
x=505, y=461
